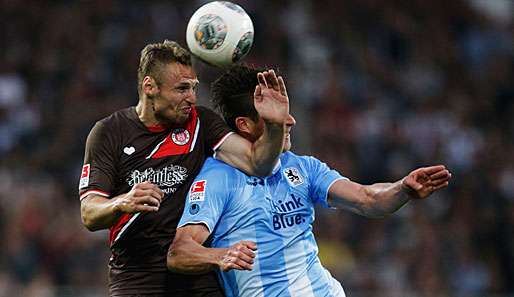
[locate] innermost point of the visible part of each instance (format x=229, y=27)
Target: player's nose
x=191, y=98
x=291, y=121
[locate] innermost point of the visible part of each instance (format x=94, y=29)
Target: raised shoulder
x=216, y=169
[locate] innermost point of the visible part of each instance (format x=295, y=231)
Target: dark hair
x=232, y=93
x=156, y=55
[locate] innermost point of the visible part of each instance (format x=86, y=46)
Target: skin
x=188, y=255
x=169, y=101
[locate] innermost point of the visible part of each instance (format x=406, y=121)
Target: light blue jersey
x=277, y=213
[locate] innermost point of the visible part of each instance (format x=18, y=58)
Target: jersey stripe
x=220, y=142
x=156, y=148
x=195, y=135
x=122, y=225
x=97, y=192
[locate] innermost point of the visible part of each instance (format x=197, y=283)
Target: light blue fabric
x=277, y=213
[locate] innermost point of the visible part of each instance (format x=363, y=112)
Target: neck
x=145, y=113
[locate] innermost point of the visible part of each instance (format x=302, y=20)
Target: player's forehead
x=176, y=73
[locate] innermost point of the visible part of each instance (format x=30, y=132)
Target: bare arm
x=187, y=255
x=272, y=104
x=381, y=199
x=101, y=213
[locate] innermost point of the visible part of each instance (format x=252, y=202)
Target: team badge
x=180, y=136
x=84, y=176
x=194, y=209
x=293, y=176
x=197, y=192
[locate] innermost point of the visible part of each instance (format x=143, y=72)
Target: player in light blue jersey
x=261, y=228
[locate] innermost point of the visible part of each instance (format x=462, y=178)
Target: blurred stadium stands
x=378, y=88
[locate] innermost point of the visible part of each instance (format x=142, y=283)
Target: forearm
x=99, y=212
x=267, y=149
x=190, y=257
x=384, y=198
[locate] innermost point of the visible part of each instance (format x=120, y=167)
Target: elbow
x=89, y=224
x=86, y=219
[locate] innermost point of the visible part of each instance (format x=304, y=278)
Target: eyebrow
x=188, y=82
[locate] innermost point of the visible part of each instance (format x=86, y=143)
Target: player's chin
x=177, y=118
x=287, y=145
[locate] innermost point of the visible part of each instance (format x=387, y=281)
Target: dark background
x=378, y=88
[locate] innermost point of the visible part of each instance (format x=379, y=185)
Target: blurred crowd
x=378, y=88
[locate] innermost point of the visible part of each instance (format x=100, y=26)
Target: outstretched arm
x=272, y=105
x=381, y=199
x=187, y=255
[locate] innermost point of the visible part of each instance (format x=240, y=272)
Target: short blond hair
x=157, y=55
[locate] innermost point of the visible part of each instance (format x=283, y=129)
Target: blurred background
x=378, y=88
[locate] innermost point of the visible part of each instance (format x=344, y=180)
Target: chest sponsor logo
x=84, y=176
x=285, y=214
x=293, y=176
x=197, y=192
x=180, y=136
x=168, y=178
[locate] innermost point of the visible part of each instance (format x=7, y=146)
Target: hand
x=422, y=182
x=143, y=197
x=270, y=98
x=239, y=256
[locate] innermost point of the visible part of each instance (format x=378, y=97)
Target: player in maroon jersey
x=140, y=161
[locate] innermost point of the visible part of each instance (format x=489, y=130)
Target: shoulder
x=308, y=165
x=292, y=158
x=112, y=127
x=118, y=118
x=204, y=112
x=218, y=175
x=218, y=169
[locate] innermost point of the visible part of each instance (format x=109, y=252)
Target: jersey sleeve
x=206, y=199
x=216, y=130
x=321, y=178
x=98, y=171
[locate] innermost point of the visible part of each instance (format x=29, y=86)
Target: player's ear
x=150, y=87
x=245, y=126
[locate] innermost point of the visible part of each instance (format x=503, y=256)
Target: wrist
x=219, y=257
x=406, y=189
x=116, y=205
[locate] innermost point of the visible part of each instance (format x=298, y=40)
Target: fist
x=239, y=256
x=143, y=197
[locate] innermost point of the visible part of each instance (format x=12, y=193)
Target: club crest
x=293, y=176
x=180, y=136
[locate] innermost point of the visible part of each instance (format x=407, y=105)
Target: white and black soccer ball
x=220, y=33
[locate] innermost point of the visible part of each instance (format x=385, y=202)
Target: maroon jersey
x=121, y=152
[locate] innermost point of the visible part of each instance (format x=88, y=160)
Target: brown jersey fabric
x=121, y=152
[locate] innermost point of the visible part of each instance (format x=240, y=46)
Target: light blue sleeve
x=207, y=196
x=321, y=177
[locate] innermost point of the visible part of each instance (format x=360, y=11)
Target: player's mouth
x=187, y=109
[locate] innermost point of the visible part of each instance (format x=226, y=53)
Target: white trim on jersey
x=126, y=226
x=195, y=135
x=329, y=186
x=156, y=148
x=196, y=223
x=97, y=192
x=219, y=143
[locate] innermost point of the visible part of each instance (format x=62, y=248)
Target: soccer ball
x=220, y=33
